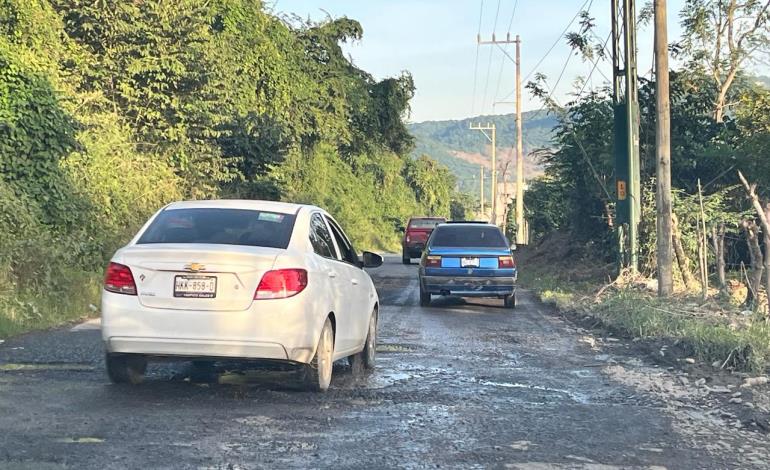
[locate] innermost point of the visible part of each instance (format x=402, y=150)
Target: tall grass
x=33, y=308
x=726, y=336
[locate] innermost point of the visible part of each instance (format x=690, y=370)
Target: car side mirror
x=402, y=229
x=372, y=260
x=513, y=247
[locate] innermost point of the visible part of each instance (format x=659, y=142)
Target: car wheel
x=367, y=357
x=123, y=368
x=318, y=373
x=405, y=258
x=510, y=301
x=424, y=298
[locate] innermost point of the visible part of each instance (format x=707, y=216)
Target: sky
x=435, y=40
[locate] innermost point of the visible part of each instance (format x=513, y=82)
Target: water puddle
x=72, y=367
x=80, y=440
x=574, y=396
x=583, y=373
x=394, y=347
x=387, y=379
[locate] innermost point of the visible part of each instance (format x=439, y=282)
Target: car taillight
x=506, y=262
x=118, y=279
x=281, y=283
x=408, y=238
x=433, y=261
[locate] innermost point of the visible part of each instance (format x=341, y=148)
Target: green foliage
x=463, y=206
x=111, y=109
x=543, y=206
x=580, y=173
x=431, y=183
x=35, y=135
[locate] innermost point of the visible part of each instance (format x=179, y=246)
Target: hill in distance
x=463, y=150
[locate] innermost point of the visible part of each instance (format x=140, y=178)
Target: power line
x=502, y=59
x=476, y=67
x=489, y=63
x=513, y=13
x=585, y=82
x=580, y=10
x=588, y=3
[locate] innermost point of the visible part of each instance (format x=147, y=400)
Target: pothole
x=574, y=396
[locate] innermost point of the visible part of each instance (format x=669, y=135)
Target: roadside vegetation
x=719, y=127
x=720, y=331
x=109, y=110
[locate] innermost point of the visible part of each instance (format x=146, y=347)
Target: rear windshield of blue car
x=220, y=227
x=455, y=236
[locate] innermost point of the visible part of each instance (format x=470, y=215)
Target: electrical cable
x=489, y=63
x=502, y=60
x=476, y=67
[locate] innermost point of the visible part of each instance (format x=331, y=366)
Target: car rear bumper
x=196, y=347
x=414, y=250
x=285, y=329
x=469, y=286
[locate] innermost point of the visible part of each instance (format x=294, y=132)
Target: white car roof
x=269, y=206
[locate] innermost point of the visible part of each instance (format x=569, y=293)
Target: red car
x=417, y=231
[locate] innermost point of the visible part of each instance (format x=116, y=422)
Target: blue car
x=468, y=259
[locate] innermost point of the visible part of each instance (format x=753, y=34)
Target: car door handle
x=332, y=274
x=354, y=281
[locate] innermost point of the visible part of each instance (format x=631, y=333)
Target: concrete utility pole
x=626, y=110
x=520, y=239
x=492, y=138
x=481, y=194
x=663, y=154
x=519, y=146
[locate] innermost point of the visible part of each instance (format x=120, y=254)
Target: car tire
x=318, y=373
x=510, y=301
x=405, y=258
x=424, y=298
x=366, y=359
x=125, y=369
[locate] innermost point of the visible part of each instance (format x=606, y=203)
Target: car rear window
x=424, y=223
x=220, y=227
x=470, y=236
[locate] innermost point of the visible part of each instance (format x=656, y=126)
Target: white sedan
x=240, y=279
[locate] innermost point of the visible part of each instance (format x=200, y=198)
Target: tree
x=719, y=38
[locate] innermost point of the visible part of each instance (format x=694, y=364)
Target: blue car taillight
x=506, y=262
x=432, y=261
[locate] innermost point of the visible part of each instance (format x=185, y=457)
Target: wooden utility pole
x=519, y=152
x=663, y=154
x=492, y=139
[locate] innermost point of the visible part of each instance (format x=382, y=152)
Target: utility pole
x=663, y=153
x=482, y=189
x=519, y=152
x=519, y=146
x=626, y=146
x=492, y=138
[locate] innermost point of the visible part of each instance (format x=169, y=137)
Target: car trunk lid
x=463, y=257
x=418, y=235
x=198, y=277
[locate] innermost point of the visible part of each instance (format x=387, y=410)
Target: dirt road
x=458, y=385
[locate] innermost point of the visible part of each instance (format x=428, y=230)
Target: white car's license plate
x=469, y=262
x=197, y=287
